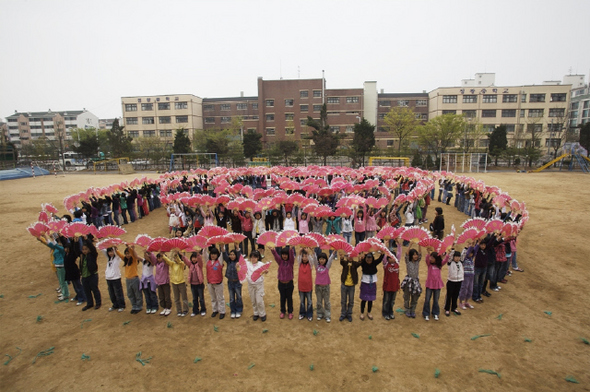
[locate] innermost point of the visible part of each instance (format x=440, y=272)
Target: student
x=434, y=283
x=72, y=270
x=466, y=291
x=177, y=281
x=285, y=260
x=234, y=286
x=411, y=283
x=390, y=283
x=349, y=279
x=438, y=224
x=113, y=277
x=247, y=227
x=257, y=230
x=163, y=281
x=256, y=287
x=304, y=283
x=89, y=270
x=455, y=279
x=347, y=227
x=359, y=226
x=214, y=268
x=130, y=262
x=333, y=225
x=369, y=282
x=289, y=222
x=303, y=222
x=58, y=253
x=322, y=266
x=197, y=282
x=147, y=285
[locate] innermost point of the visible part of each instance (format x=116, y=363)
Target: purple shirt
x=285, y=266
x=322, y=272
x=162, y=273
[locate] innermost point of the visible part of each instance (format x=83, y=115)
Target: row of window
x=132, y=107
x=576, y=105
x=290, y=130
x=419, y=116
x=161, y=120
x=227, y=106
x=404, y=102
x=506, y=98
x=554, y=112
x=151, y=133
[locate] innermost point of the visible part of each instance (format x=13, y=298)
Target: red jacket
x=304, y=280
x=390, y=276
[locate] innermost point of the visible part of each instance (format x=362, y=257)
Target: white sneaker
x=79, y=303
x=193, y=314
x=233, y=315
x=300, y=317
x=148, y=311
x=163, y=312
x=153, y=311
x=203, y=314
x=238, y=315
x=111, y=309
x=120, y=310
x=328, y=319
x=179, y=314
x=168, y=311
x=319, y=318
x=427, y=318
x=436, y=318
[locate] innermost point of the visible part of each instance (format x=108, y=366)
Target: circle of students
x=253, y=201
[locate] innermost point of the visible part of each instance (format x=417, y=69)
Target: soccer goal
x=389, y=161
x=193, y=160
x=464, y=162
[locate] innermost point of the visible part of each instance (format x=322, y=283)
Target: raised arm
x=331, y=259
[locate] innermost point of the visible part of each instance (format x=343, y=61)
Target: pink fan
x=343, y=211
x=326, y=192
x=515, y=205
x=386, y=233
x=430, y=242
x=447, y=244
x=247, y=191
x=382, y=202
x=196, y=242
x=310, y=209
x=43, y=217
x=478, y=223
x=109, y=243
x=156, y=244
x=38, y=229
x=56, y=226
x=341, y=245
x=266, y=204
x=110, y=231
x=242, y=269
x=143, y=240
x=306, y=242
x=322, y=211
x=223, y=199
x=401, y=199
x=384, y=191
x=208, y=200
x=236, y=237
x=284, y=236
x=233, y=205
x=257, y=272
x=277, y=201
x=320, y=239
x=371, y=202
x=334, y=237
x=494, y=225
x=296, y=198
x=177, y=244
x=212, y=231
x=49, y=208
x=508, y=229
x=415, y=234
x=219, y=239
x=268, y=238
x=78, y=229
x=469, y=234
x=248, y=205
x=364, y=247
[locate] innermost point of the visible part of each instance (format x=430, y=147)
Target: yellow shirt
x=348, y=281
x=176, y=270
x=131, y=269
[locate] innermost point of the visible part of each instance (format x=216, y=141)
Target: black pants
x=116, y=293
x=91, y=288
x=453, y=289
x=249, y=239
x=286, y=294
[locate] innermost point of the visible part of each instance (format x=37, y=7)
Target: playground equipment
x=404, y=160
x=259, y=162
x=463, y=162
x=572, y=154
x=110, y=164
x=207, y=158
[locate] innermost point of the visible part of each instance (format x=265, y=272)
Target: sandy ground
x=553, y=250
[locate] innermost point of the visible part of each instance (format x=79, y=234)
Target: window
x=522, y=112
x=149, y=133
x=333, y=113
x=554, y=127
x=469, y=113
x=389, y=143
x=574, y=105
x=165, y=120
x=449, y=99
x=225, y=106
x=489, y=128
x=384, y=103
x=418, y=116
x=303, y=108
x=163, y=105
x=180, y=105
x=270, y=102
x=209, y=120
x=523, y=98
x=303, y=94
x=537, y=98
x=242, y=106
x=535, y=128
x=470, y=99
x=335, y=129
x=255, y=106
x=317, y=93
x=558, y=97
x=181, y=119
x=510, y=127
x=147, y=120
x=555, y=142
x=381, y=116
x=317, y=108
x=288, y=102
x=586, y=104
x=270, y=131
x=333, y=100
x=349, y=129
x=165, y=133
x=556, y=112
x=147, y=106
x=270, y=117
x=509, y=98
x=208, y=107
x=288, y=116
x=449, y=112
x=509, y=113
x=489, y=98
x=424, y=116
x=131, y=120
x=488, y=113
x=131, y=107
x=535, y=112
x=133, y=133
x=352, y=99
x=289, y=131
x=421, y=102
x=303, y=122
x=403, y=103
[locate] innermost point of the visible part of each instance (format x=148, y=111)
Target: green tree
x=325, y=142
x=363, y=140
x=402, y=123
x=287, y=149
x=417, y=159
x=441, y=133
x=498, y=143
x=87, y=145
x=585, y=136
x=119, y=142
x=252, y=144
x=532, y=149
x=182, y=143
x=472, y=134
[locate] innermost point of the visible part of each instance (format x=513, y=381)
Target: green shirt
x=84, y=266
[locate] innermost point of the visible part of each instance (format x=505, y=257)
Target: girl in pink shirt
x=303, y=223
x=433, y=284
x=360, y=222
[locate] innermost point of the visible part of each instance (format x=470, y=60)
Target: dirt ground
x=240, y=355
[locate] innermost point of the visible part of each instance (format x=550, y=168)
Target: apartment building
x=418, y=102
x=26, y=126
x=160, y=115
x=542, y=107
x=579, y=113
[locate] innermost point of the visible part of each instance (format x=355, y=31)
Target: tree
x=498, y=142
x=152, y=148
x=182, y=143
x=287, y=149
x=252, y=144
x=441, y=133
x=87, y=145
x=532, y=149
x=325, y=142
x=119, y=142
x=585, y=136
x=402, y=123
x=473, y=133
x=363, y=140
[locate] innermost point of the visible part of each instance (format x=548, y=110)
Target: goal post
x=202, y=158
x=399, y=161
x=459, y=162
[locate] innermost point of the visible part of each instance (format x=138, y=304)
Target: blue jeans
x=490, y=277
x=151, y=299
x=305, y=307
x=435, y=294
x=388, y=302
x=80, y=296
x=359, y=236
x=235, y=297
x=198, y=291
x=513, y=260
x=346, y=300
x=478, y=279
x=347, y=236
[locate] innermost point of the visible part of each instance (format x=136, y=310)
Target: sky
x=69, y=55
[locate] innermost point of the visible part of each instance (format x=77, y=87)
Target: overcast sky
x=66, y=55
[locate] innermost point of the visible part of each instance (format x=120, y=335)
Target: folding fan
x=56, y=226
x=212, y=231
x=343, y=211
x=310, y=209
x=38, y=229
x=477, y=222
x=44, y=217
x=322, y=212
x=296, y=198
x=268, y=238
x=494, y=225
x=171, y=244
x=415, y=234
x=242, y=269
x=468, y=234
x=306, y=242
x=401, y=199
x=110, y=231
x=320, y=239
x=236, y=237
x=232, y=205
x=386, y=233
x=284, y=236
x=446, y=244
x=247, y=191
x=78, y=229
x=143, y=240
x=430, y=242
x=341, y=245
x=156, y=244
x=109, y=243
x=258, y=272
x=223, y=199
x=49, y=208
x=196, y=242
x=248, y=205
x=219, y=239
